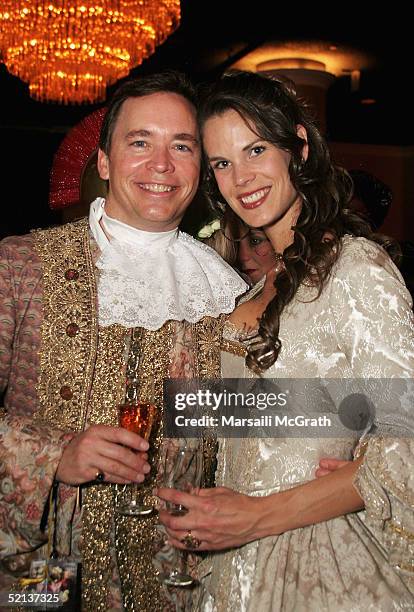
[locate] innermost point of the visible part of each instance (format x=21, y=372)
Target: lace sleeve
x=375, y=328
x=371, y=310
x=385, y=481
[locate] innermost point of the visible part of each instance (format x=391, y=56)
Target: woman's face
x=252, y=174
x=256, y=255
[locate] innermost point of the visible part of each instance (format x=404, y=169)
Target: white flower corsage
x=208, y=230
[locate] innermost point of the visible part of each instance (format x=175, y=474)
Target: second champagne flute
x=183, y=469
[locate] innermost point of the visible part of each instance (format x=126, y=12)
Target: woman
x=255, y=255
x=251, y=253
x=338, y=309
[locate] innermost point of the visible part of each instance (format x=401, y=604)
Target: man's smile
x=157, y=187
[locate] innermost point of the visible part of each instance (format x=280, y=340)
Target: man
x=95, y=313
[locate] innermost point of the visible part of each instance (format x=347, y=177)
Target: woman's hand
x=329, y=465
x=219, y=518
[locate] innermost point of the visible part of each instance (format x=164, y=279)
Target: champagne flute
x=140, y=417
x=183, y=468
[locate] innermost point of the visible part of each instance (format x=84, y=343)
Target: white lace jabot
x=148, y=278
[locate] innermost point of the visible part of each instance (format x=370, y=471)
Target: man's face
x=153, y=164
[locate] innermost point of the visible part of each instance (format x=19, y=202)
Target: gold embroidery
x=98, y=500
x=67, y=368
x=66, y=361
x=233, y=347
x=401, y=531
x=137, y=540
x=208, y=335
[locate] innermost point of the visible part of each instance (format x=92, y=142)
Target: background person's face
x=251, y=173
x=256, y=255
x=153, y=164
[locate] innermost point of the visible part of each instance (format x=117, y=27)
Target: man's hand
x=328, y=465
x=117, y=452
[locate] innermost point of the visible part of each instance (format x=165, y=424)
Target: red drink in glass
x=139, y=418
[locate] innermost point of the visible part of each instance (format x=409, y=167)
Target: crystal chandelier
x=70, y=50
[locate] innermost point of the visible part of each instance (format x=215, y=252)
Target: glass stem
x=179, y=562
x=136, y=493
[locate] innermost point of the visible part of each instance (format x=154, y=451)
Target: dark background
x=213, y=35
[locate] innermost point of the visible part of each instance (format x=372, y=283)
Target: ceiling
x=211, y=37
x=215, y=34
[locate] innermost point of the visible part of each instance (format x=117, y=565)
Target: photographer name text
x=265, y=420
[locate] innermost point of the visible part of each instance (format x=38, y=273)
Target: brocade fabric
x=361, y=326
x=30, y=449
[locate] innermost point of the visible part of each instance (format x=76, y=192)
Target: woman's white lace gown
x=360, y=327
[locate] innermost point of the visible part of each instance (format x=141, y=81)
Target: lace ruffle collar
x=148, y=278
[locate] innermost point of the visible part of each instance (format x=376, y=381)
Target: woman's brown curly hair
x=273, y=112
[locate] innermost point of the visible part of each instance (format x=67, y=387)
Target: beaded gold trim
x=233, y=347
x=401, y=531
x=398, y=488
x=208, y=335
x=66, y=362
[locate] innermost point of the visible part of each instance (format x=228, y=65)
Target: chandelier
x=69, y=51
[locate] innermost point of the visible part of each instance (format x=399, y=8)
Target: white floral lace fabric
x=148, y=278
x=361, y=326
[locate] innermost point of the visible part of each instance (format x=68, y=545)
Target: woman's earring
x=280, y=264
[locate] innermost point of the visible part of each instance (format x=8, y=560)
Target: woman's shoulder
x=365, y=269
x=358, y=255
x=355, y=247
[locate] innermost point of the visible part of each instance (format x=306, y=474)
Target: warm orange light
x=70, y=50
x=336, y=59
x=290, y=63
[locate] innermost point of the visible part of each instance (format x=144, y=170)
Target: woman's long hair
x=273, y=112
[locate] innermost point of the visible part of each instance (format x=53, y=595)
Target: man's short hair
x=170, y=81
